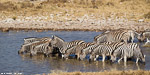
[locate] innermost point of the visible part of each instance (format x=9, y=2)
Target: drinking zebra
x=104, y=50
x=76, y=50
x=87, y=51
x=59, y=43
x=40, y=47
x=28, y=47
x=128, y=51
x=25, y=48
x=143, y=36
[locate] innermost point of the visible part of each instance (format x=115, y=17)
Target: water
x=11, y=62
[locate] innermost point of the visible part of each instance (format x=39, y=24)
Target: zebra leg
x=96, y=57
x=78, y=56
x=125, y=59
x=62, y=55
x=103, y=57
x=137, y=59
x=120, y=60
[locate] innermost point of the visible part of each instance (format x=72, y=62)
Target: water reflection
x=69, y=65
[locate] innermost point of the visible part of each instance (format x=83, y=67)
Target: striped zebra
x=142, y=37
x=33, y=39
x=128, y=51
x=76, y=50
x=147, y=42
x=59, y=43
x=104, y=50
x=40, y=47
x=87, y=51
x=116, y=36
x=25, y=48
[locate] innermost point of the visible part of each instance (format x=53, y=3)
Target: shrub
x=26, y=4
x=147, y=15
x=14, y=17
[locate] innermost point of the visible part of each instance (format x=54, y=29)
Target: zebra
x=25, y=48
x=104, y=50
x=147, y=42
x=33, y=39
x=87, y=51
x=59, y=43
x=116, y=36
x=40, y=47
x=128, y=51
x=142, y=37
x=76, y=50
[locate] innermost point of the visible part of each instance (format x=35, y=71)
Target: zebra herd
x=114, y=44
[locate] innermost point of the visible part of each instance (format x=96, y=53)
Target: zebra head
x=142, y=58
x=147, y=42
x=141, y=37
x=47, y=51
x=65, y=56
x=113, y=58
x=93, y=57
x=56, y=41
x=82, y=56
x=24, y=48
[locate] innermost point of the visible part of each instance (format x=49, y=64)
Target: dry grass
x=114, y=72
x=131, y=9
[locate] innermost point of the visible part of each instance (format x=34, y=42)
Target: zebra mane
x=58, y=38
x=30, y=38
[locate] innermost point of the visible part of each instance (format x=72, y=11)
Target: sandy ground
x=130, y=72
x=10, y=24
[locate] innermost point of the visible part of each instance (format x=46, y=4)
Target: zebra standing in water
x=76, y=50
x=28, y=42
x=87, y=51
x=26, y=48
x=105, y=50
x=127, y=51
x=142, y=37
x=40, y=47
x=59, y=43
x=116, y=36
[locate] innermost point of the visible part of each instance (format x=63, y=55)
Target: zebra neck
x=63, y=45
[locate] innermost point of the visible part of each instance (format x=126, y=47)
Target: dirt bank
x=131, y=72
x=71, y=25
x=69, y=15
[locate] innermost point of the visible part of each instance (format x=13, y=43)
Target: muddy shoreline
x=40, y=26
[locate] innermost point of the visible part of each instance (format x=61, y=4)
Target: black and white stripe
x=76, y=50
x=115, y=36
x=59, y=43
x=40, y=47
x=87, y=51
x=34, y=39
x=128, y=51
x=105, y=50
x=25, y=48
